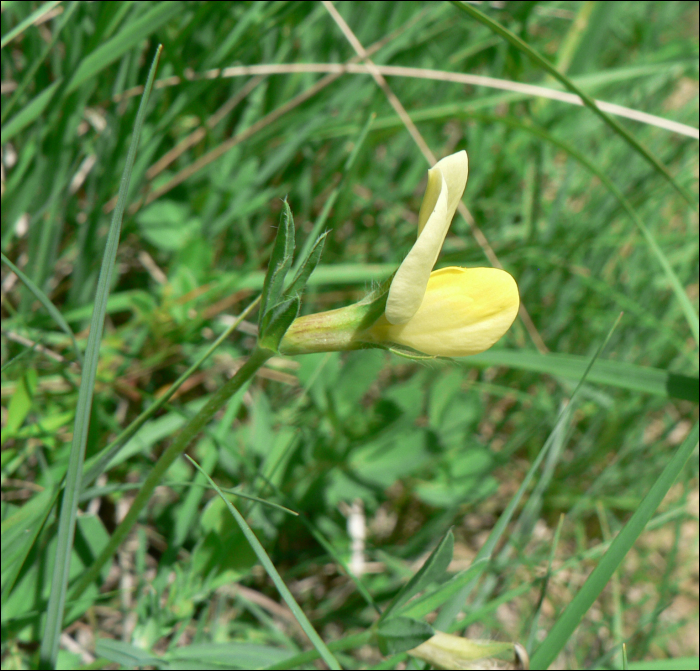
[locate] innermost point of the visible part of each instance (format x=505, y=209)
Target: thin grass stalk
x=525, y=90
x=71, y=495
x=47, y=303
x=265, y=560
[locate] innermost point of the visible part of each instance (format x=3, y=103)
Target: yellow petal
x=455, y=170
x=464, y=311
x=446, y=183
x=408, y=286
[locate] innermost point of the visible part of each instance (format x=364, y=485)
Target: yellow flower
x=464, y=311
x=448, y=312
x=452, y=311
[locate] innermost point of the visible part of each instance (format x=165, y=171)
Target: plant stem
x=188, y=433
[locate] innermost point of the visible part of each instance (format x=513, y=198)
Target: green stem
x=97, y=464
x=188, y=433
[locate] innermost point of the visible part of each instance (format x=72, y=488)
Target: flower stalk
x=182, y=441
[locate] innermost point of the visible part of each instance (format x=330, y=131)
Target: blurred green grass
x=423, y=447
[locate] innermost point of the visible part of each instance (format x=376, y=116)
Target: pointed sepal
x=280, y=262
x=276, y=322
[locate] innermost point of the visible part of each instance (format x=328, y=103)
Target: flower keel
x=464, y=311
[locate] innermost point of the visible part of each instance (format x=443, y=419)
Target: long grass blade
x=567, y=622
x=69, y=507
x=124, y=40
x=259, y=550
x=450, y=611
x=587, y=100
x=617, y=374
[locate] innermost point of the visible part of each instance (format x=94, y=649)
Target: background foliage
x=419, y=448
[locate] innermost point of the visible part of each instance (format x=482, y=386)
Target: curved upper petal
x=455, y=170
x=446, y=183
x=464, y=312
x=409, y=283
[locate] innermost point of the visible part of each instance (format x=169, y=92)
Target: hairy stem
x=188, y=433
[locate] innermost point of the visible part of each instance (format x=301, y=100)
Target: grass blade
x=450, y=611
x=31, y=111
x=46, y=302
x=22, y=25
x=426, y=604
x=587, y=100
x=276, y=578
x=432, y=570
x=571, y=617
x=125, y=39
x=19, y=533
x=605, y=371
x=66, y=528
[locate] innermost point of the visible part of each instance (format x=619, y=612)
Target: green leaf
x=125, y=654
x=308, y=265
x=429, y=602
x=604, y=371
x=666, y=664
x=433, y=569
x=277, y=320
x=168, y=225
x=235, y=655
x=399, y=634
x=20, y=404
x=280, y=262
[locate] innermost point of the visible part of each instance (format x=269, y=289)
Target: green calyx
x=335, y=330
